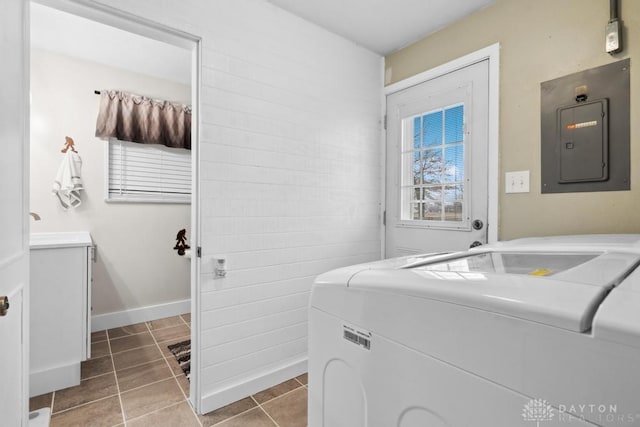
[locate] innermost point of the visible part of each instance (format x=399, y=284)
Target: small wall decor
x=68, y=181
x=181, y=244
x=68, y=144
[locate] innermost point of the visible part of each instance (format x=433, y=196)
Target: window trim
x=407, y=129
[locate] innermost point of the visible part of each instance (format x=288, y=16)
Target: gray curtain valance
x=136, y=118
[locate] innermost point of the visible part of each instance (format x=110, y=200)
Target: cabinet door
x=58, y=301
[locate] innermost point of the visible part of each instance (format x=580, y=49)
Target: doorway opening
x=141, y=283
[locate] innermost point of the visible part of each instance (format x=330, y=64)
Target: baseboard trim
x=137, y=315
x=57, y=378
x=219, y=398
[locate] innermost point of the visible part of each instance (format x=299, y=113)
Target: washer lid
x=562, y=289
x=618, y=318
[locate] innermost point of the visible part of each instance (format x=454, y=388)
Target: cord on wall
x=613, y=34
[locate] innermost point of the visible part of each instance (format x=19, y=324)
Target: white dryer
x=535, y=332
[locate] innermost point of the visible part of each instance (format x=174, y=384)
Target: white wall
x=290, y=179
x=136, y=265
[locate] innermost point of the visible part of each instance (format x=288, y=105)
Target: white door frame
x=147, y=28
x=492, y=55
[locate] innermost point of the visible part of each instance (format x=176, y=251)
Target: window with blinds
x=147, y=173
x=433, y=153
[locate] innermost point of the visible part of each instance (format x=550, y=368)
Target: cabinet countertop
x=60, y=240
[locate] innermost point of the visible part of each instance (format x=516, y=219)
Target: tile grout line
x=172, y=355
x=176, y=375
x=53, y=400
x=151, y=383
x=98, y=375
x=173, y=374
x=280, y=395
x=244, y=412
x=139, y=364
x=185, y=322
x=115, y=375
x=156, y=410
x=233, y=416
x=83, y=404
x=260, y=405
x=264, y=410
x=166, y=357
x=132, y=349
x=119, y=392
x=146, y=324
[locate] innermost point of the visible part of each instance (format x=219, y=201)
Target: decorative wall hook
x=181, y=244
x=68, y=144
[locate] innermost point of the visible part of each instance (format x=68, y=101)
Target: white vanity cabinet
x=60, y=309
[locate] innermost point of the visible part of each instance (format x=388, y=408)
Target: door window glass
x=433, y=160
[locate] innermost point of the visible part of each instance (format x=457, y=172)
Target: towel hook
x=68, y=144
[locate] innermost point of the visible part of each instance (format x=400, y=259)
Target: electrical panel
x=583, y=142
x=585, y=130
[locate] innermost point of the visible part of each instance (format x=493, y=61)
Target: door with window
x=437, y=157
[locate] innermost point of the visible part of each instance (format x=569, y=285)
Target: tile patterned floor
x=132, y=380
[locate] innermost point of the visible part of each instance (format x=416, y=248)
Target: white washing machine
x=535, y=332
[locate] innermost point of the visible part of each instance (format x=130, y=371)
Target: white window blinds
x=147, y=173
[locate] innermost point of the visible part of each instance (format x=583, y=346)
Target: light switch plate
x=517, y=182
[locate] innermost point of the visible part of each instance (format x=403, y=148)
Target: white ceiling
x=382, y=26
x=71, y=35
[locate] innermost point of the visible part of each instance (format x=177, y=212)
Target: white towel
x=68, y=182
